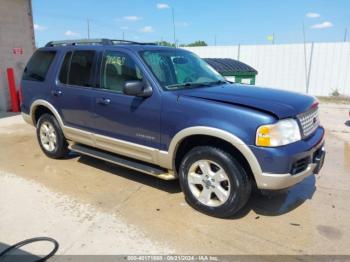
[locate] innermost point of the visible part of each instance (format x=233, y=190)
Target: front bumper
x=283, y=159
x=281, y=181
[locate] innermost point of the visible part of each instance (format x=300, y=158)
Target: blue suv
x=165, y=112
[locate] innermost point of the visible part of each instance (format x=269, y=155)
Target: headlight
x=282, y=133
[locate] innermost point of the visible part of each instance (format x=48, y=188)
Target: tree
x=198, y=43
x=165, y=43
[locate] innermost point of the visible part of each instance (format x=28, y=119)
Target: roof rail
x=102, y=41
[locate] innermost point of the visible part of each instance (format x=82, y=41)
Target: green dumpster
x=233, y=70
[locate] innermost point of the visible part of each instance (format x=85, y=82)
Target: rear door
x=72, y=94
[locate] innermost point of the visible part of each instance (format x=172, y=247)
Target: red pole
x=12, y=89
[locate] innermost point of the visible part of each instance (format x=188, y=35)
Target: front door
x=127, y=125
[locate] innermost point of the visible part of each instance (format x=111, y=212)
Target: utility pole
x=123, y=35
x=214, y=40
x=172, y=12
x=88, y=28
x=346, y=35
x=305, y=60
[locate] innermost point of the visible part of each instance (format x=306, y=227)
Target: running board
x=123, y=161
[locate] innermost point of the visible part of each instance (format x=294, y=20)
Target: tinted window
x=65, y=68
x=81, y=68
x=118, y=68
x=39, y=65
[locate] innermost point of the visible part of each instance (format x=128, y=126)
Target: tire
x=222, y=190
x=50, y=137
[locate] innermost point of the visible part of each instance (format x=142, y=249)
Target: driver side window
x=117, y=69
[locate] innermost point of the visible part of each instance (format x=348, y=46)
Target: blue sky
x=229, y=21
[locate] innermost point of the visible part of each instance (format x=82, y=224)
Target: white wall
x=16, y=31
x=283, y=66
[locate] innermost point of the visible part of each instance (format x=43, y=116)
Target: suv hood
x=282, y=104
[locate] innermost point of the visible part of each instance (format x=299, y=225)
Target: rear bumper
x=276, y=181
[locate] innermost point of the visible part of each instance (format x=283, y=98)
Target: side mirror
x=137, y=88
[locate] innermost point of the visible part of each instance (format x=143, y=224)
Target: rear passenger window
x=38, y=66
x=80, y=69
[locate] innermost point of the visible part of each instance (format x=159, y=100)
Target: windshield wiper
x=194, y=84
x=190, y=85
x=219, y=82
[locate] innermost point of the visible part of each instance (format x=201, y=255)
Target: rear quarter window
x=38, y=66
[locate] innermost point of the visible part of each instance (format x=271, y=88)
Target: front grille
x=309, y=121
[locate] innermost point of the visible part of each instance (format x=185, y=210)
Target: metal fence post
x=310, y=65
x=239, y=52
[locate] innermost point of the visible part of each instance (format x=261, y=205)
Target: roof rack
x=102, y=41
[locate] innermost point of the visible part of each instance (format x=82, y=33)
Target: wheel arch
x=169, y=159
x=44, y=106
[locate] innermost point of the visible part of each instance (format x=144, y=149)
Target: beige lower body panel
x=139, y=152
x=282, y=181
x=120, y=147
x=79, y=136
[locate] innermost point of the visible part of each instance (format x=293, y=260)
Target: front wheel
x=214, y=182
x=51, y=138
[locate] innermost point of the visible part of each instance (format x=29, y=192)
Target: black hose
x=32, y=240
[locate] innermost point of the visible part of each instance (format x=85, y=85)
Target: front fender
x=167, y=158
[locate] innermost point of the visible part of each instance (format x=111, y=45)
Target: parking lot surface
x=92, y=207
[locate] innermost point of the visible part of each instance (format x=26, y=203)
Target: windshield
x=179, y=69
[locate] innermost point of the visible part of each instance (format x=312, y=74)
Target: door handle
x=103, y=101
x=56, y=92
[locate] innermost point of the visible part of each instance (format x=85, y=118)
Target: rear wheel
x=214, y=182
x=51, y=138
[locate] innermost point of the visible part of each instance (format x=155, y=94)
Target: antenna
x=88, y=28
